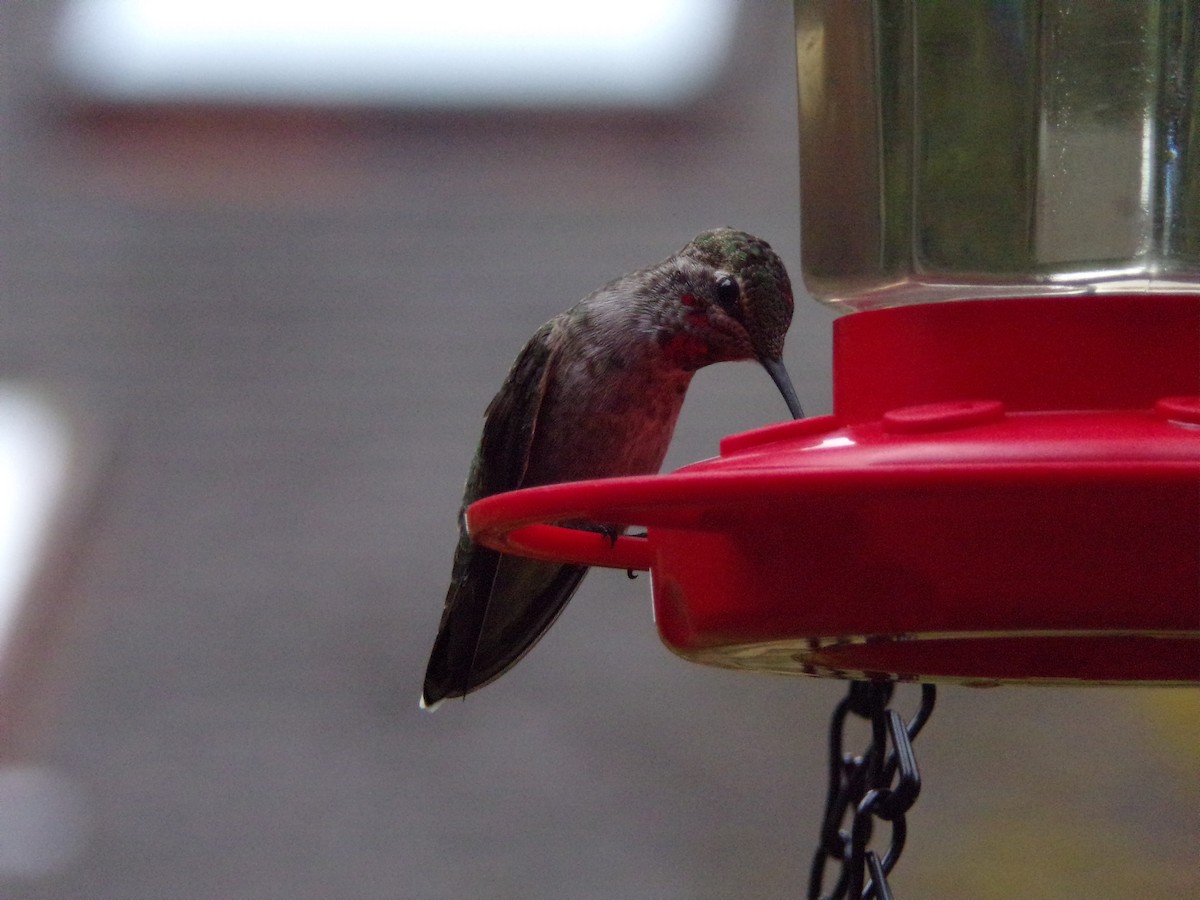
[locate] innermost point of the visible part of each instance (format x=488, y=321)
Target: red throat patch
x=686, y=352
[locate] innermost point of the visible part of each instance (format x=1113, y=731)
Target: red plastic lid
x=980, y=538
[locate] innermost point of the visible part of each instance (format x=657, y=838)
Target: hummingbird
x=595, y=393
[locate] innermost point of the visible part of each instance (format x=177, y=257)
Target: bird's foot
x=611, y=532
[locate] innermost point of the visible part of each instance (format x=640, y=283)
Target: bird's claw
x=611, y=532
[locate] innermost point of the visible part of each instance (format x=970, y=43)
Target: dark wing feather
x=510, y=420
x=498, y=606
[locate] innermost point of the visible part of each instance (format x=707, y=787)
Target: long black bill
x=779, y=375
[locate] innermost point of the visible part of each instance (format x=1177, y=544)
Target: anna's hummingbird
x=594, y=394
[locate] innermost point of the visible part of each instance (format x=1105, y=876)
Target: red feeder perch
x=1029, y=511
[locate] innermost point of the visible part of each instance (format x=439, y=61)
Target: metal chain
x=862, y=787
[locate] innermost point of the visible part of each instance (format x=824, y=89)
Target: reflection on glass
x=958, y=149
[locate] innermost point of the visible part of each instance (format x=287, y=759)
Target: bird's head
x=735, y=303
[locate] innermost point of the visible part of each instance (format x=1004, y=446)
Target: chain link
x=861, y=786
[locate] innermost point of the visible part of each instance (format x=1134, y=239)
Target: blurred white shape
x=42, y=818
x=43, y=822
x=35, y=465
x=642, y=53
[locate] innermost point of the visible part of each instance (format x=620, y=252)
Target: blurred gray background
x=281, y=328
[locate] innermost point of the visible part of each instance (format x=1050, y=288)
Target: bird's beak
x=779, y=375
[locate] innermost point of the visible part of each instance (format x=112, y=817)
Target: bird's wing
x=511, y=419
x=480, y=636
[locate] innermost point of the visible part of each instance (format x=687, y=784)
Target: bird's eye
x=728, y=294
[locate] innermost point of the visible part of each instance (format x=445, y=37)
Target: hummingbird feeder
x=963, y=516
x=1005, y=202
x=1008, y=489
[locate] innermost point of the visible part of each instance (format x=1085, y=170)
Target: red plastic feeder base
x=1008, y=491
